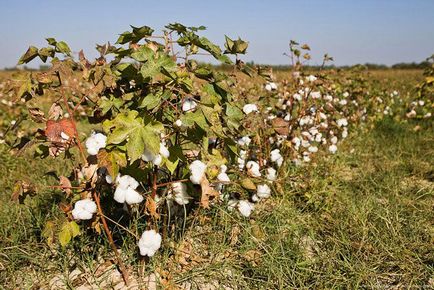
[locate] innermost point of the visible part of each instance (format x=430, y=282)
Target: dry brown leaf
x=151, y=208
x=65, y=184
x=280, y=126
x=208, y=193
x=55, y=112
x=37, y=115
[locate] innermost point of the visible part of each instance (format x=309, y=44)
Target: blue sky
x=352, y=31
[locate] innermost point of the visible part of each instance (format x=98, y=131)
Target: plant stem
x=121, y=265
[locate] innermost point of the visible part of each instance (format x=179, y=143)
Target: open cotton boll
x=249, y=108
x=244, y=141
x=313, y=149
x=343, y=102
x=311, y=78
x=334, y=140
x=344, y=134
x=271, y=174
x=245, y=207
x=164, y=151
x=315, y=95
x=95, y=142
x=149, y=243
x=263, y=191
x=178, y=123
x=342, y=122
x=148, y=156
x=297, y=97
x=333, y=148
x=128, y=195
x=268, y=87
x=197, y=170
x=180, y=194
x=253, y=168
x=346, y=94
x=189, y=105
x=232, y=203
x=126, y=190
x=223, y=177
x=84, y=209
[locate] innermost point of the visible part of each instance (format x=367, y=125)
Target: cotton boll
x=346, y=94
x=164, y=151
x=241, y=163
x=343, y=102
x=253, y=168
x=273, y=86
x=263, y=191
x=344, y=134
x=342, y=122
x=318, y=137
x=268, y=87
x=84, y=209
x=305, y=143
x=244, y=141
x=311, y=78
x=125, y=181
x=287, y=117
x=249, y=108
x=333, y=148
x=180, y=194
x=313, y=149
x=132, y=196
x=108, y=179
x=334, y=140
x=315, y=95
x=306, y=158
x=223, y=177
x=297, y=97
x=95, y=142
x=232, y=203
x=148, y=156
x=197, y=170
x=271, y=174
x=189, y=105
x=149, y=243
x=245, y=207
x=178, y=123
x=157, y=160
x=296, y=141
x=125, y=190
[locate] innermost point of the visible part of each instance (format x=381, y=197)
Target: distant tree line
x=369, y=66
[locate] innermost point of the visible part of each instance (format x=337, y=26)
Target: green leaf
x=65, y=235
x=150, y=101
x=143, y=54
x=75, y=229
x=153, y=66
x=62, y=47
x=30, y=54
x=141, y=133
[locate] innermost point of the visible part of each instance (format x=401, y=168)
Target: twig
x=110, y=238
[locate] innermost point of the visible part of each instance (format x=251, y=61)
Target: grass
x=359, y=219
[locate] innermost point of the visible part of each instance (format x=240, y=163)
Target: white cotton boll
x=95, y=142
x=346, y=94
x=253, y=168
x=334, y=140
x=311, y=78
x=232, y=203
x=342, y=122
x=318, y=137
x=305, y=143
x=245, y=207
x=271, y=174
x=180, y=195
x=344, y=134
x=164, y=151
x=189, y=105
x=157, y=160
x=315, y=95
x=297, y=97
x=296, y=141
x=421, y=103
x=84, y=209
x=342, y=102
x=307, y=135
x=306, y=158
x=263, y=191
x=274, y=155
x=149, y=243
x=244, y=141
x=223, y=177
x=333, y=148
x=132, y=196
x=108, y=179
x=328, y=98
x=287, y=117
x=273, y=86
x=249, y=108
x=241, y=163
x=268, y=87
x=427, y=115
x=313, y=149
x=178, y=123
x=125, y=181
x=197, y=170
